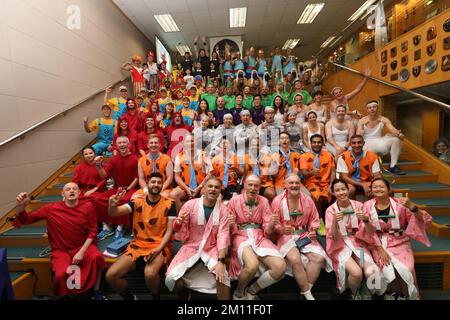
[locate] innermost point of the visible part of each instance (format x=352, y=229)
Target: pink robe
x=309, y=221
x=346, y=245
x=201, y=241
x=398, y=246
x=256, y=238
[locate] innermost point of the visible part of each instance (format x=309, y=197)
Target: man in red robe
x=77, y=263
x=123, y=169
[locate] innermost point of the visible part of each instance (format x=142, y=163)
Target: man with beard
x=221, y=111
x=151, y=246
x=318, y=171
x=71, y=228
x=202, y=226
x=358, y=168
x=297, y=218
x=123, y=169
x=250, y=218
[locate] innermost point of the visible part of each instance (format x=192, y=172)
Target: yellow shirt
x=114, y=102
x=93, y=126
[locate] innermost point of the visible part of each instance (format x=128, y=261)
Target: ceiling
x=269, y=22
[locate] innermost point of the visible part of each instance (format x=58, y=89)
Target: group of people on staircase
x=251, y=177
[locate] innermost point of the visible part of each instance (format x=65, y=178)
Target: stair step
x=24, y=237
x=406, y=165
x=22, y=284
x=416, y=176
x=434, y=206
x=19, y=253
x=41, y=201
x=424, y=190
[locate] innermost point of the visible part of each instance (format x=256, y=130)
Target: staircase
x=31, y=274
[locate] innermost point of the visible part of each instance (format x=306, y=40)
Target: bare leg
x=151, y=274
x=223, y=291
x=116, y=273
x=248, y=271
x=295, y=260
x=355, y=276
x=276, y=272
x=177, y=195
x=314, y=266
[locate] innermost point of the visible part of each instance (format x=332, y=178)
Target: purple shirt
x=257, y=115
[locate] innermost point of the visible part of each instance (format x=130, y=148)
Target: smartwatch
x=222, y=260
x=414, y=209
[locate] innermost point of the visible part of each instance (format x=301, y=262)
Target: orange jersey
x=294, y=160
x=218, y=166
x=149, y=227
x=365, y=164
x=201, y=167
x=318, y=186
x=146, y=164
x=263, y=165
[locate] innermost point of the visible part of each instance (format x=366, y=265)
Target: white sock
x=106, y=226
x=265, y=280
x=307, y=295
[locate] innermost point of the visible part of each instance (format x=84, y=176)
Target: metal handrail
x=418, y=95
x=42, y=122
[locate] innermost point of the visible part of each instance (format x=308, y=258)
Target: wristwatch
x=222, y=260
x=414, y=209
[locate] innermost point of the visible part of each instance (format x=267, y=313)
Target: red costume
x=175, y=135
x=68, y=229
x=123, y=170
x=86, y=177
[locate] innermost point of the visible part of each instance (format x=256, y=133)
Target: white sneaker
x=250, y=296
x=235, y=296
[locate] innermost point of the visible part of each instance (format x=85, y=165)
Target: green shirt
x=211, y=98
x=247, y=103
x=283, y=94
x=306, y=97
x=230, y=101
x=267, y=102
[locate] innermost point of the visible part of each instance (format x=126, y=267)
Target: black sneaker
x=396, y=170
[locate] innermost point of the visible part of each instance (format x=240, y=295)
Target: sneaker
x=46, y=252
x=235, y=297
x=104, y=234
x=389, y=296
x=250, y=296
x=322, y=230
x=98, y=295
x=118, y=235
x=396, y=170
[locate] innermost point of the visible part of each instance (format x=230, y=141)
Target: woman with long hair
x=395, y=222
x=203, y=108
x=86, y=175
x=311, y=128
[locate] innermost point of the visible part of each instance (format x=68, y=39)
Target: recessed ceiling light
x=182, y=49
x=327, y=42
x=238, y=17
x=361, y=10
x=166, y=22
x=290, y=43
x=310, y=13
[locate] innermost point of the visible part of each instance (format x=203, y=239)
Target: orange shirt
x=161, y=164
x=218, y=166
x=294, y=160
x=326, y=168
x=365, y=164
x=201, y=168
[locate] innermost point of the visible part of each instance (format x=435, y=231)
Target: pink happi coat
x=398, y=246
x=342, y=249
x=256, y=238
x=308, y=221
x=201, y=240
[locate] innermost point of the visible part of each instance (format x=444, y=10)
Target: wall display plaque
x=430, y=66
x=431, y=33
x=384, y=56
x=384, y=70
x=431, y=49
x=404, y=46
x=404, y=75
x=393, y=52
x=394, y=65
x=447, y=43
x=446, y=63
x=394, y=77
x=416, y=39
x=404, y=61
x=446, y=25
x=416, y=71
x=417, y=54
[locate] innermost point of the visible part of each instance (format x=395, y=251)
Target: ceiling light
x=327, y=42
x=310, y=13
x=361, y=10
x=290, y=43
x=166, y=22
x=182, y=49
x=238, y=17
x=336, y=41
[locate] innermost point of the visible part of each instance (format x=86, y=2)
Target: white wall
x=44, y=68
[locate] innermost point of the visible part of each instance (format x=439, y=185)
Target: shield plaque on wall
x=394, y=65
x=416, y=71
x=431, y=33
x=417, y=54
x=384, y=70
x=384, y=56
x=404, y=46
x=393, y=52
x=446, y=63
x=431, y=49
x=404, y=61
x=416, y=39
